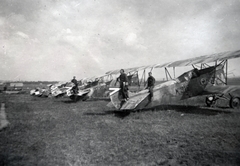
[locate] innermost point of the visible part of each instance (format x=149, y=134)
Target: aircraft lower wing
x=56, y=91
x=80, y=92
x=83, y=92
x=134, y=101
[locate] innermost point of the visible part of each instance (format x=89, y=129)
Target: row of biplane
x=207, y=78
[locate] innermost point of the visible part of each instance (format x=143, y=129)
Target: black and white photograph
x=119, y=82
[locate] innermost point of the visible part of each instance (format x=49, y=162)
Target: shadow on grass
x=189, y=109
x=178, y=108
x=69, y=101
x=119, y=114
x=87, y=100
x=98, y=99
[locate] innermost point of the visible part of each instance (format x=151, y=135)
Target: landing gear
x=210, y=101
x=234, y=103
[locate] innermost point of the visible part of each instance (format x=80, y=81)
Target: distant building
x=10, y=87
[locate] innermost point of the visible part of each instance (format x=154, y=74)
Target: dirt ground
x=48, y=131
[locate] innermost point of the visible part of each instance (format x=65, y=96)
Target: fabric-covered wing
x=83, y=92
x=206, y=59
x=127, y=70
x=186, y=62
x=134, y=101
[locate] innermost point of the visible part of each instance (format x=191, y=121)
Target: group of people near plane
x=123, y=80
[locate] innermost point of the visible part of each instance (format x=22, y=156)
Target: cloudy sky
x=56, y=39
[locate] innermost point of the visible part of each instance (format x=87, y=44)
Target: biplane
x=204, y=79
x=40, y=92
x=95, y=87
x=52, y=90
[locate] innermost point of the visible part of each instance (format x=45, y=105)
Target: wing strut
x=222, y=78
x=167, y=74
x=174, y=73
x=139, y=84
x=226, y=71
x=151, y=69
x=143, y=78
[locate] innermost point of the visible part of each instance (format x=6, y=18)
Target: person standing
x=123, y=85
x=75, y=88
x=150, y=85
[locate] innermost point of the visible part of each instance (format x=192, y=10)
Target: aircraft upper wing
x=206, y=59
x=186, y=62
x=126, y=70
x=132, y=69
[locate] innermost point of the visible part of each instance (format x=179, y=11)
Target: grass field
x=48, y=131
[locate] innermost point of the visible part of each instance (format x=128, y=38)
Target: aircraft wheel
x=210, y=101
x=235, y=103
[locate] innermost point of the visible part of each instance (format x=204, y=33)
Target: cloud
x=57, y=39
x=23, y=35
